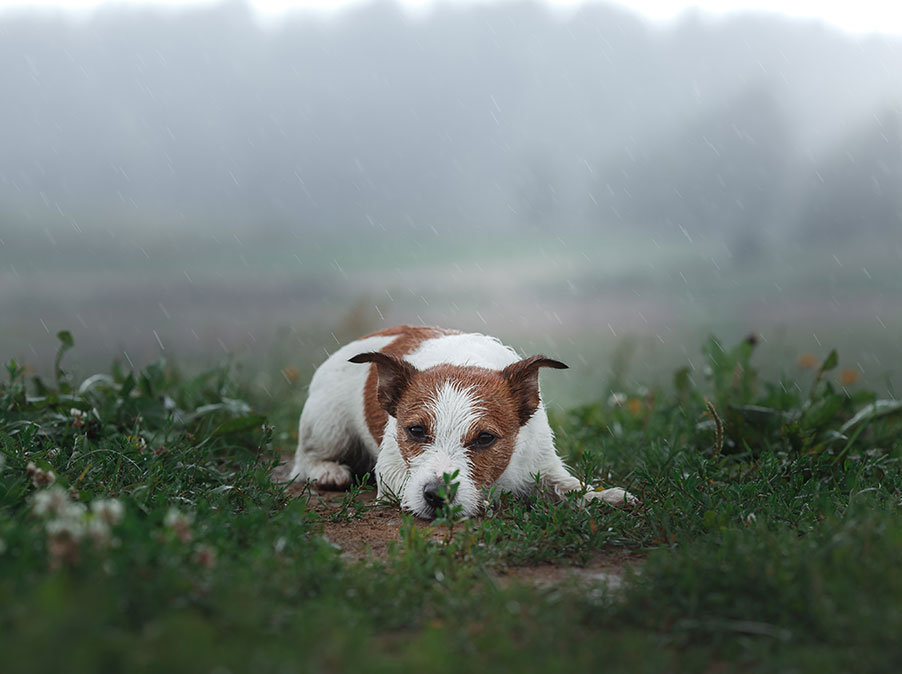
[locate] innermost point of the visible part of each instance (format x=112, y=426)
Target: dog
x=432, y=403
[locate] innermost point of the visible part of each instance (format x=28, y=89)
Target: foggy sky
x=505, y=116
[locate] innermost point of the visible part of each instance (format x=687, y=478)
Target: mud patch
x=367, y=537
x=364, y=531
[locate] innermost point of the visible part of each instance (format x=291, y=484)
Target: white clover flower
x=108, y=510
x=39, y=476
x=52, y=501
x=78, y=417
x=98, y=531
x=616, y=399
x=176, y=518
x=180, y=523
x=74, y=511
x=66, y=527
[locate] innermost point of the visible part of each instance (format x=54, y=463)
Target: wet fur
x=458, y=387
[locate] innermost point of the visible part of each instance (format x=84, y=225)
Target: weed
x=449, y=513
x=351, y=507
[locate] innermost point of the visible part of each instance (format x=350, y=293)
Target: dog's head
x=453, y=418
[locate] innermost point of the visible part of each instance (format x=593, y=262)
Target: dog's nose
x=431, y=493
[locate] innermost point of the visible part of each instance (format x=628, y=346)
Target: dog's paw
x=329, y=475
x=614, y=496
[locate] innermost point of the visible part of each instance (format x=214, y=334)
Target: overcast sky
x=858, y=16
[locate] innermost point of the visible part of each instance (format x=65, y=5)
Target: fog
x=200, y=183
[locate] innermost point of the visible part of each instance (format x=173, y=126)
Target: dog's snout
x=432, y=492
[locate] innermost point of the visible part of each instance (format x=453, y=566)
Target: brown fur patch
x=497, y=415
x=507, y=399
x=407, y=339
x=523, y=379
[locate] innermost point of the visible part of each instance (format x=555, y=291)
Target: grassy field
x=590, y=299
x=140, y=531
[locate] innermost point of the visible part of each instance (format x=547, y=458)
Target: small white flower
x=65, y=527
x=78, y=417
x=108, y=510
x=617, y=399
x=39, y=476
x=74, y=511
x=175, y=518
x=52, y=501
x=180, y=523
x=98, y=531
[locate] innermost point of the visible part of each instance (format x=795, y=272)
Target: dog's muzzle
x=432, y=494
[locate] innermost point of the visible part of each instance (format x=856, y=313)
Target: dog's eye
x=417, y=433
x=484, y=440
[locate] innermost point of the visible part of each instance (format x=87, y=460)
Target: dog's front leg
x=537, y=455
x=558, y=478
x=391, y=472
x=614, y=495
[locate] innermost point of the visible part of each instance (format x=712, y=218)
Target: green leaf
x=831, y=362
x=66, y=343
x=822, y=412
x=759, y=415
x=228, y=406
x=14, y=370
x=54, y=400
x=242, y=423
x=867, y=414
x=128, y=384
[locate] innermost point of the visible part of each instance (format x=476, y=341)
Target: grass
x=769, y=535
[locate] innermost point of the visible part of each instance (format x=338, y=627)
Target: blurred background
x=601, y=183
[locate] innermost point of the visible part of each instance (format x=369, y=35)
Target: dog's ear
x=523, y=379
x=394, y=376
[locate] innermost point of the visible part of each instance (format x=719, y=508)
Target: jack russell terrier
x=432, y=402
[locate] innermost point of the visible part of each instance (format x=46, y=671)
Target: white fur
x=463, y=349
x=332, y=420
x=455, y=410
x=332, y=424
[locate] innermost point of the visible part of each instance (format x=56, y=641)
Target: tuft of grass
x=140, y=531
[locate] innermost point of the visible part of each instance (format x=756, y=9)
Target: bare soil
x=370, y=536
